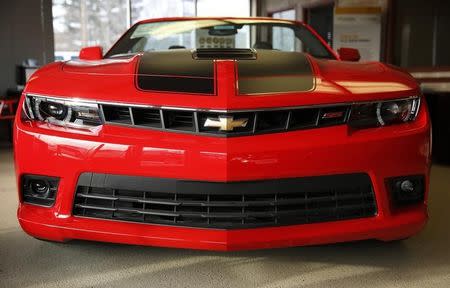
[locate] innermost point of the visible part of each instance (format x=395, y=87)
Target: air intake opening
x=117, y=114
x=147, y=117
x=225, y=205
x=179, y=120
x=224, y=53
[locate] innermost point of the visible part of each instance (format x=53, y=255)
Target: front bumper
x=381, y=153
x=45, y=225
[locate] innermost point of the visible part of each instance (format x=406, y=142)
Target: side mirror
x=349, y=54
x=91, y=53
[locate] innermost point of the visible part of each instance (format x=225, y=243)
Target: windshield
x=214, y=33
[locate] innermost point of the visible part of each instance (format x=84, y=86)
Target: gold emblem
x=225, y=123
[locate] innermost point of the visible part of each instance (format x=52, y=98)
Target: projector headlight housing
x=384, y=113
x=62, y=112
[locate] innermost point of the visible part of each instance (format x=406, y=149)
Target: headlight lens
x=384, y=113
x=62, y=112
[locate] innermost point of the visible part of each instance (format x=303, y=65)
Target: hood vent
x=221, y=53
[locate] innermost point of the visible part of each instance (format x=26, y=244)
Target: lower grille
x=225, y=205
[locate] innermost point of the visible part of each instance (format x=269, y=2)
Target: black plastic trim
x=169, y=185
x=224, y=205
x=29, y=197
x=401, y=198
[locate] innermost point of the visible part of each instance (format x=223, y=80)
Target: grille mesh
x=230, y=205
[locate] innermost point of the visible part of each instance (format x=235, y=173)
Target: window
x=146, y=9
x=283, y=38
x=80, y=23
x=228, y=8
x=286, y=14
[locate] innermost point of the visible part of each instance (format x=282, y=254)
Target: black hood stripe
x=269, y=71
x=275, y=72
x=175, y=71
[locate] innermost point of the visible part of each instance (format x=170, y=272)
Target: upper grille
x=256, y=122
x=225, y=205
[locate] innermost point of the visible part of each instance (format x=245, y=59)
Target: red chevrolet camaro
x=222, y=134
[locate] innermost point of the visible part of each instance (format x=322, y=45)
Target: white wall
x=269, y=6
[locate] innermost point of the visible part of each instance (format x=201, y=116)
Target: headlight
x=62, y=112
x=384, y=113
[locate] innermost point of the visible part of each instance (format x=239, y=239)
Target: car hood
x=252, y=79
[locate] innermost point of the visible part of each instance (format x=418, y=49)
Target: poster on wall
x=360, y=29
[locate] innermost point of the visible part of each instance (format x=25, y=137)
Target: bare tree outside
x=145, y=9
x=80, y=23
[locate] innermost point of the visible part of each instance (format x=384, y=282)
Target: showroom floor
x=423, y=261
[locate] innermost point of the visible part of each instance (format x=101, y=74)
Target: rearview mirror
x=349, y=54
x=224, y=30
x=91, y=53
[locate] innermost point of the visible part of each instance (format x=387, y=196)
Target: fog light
x=407, y=186
x=407, y=190
x=39, y=187
x=39, y=190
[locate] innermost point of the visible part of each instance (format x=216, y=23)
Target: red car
x=222, y=134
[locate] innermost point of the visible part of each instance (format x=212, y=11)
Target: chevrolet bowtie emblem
x=225, y=123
